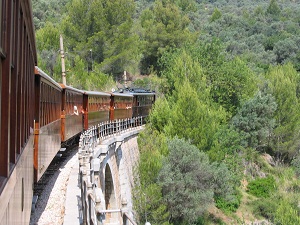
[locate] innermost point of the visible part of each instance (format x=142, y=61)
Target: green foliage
x=118, y=31
x=287, y=213
x=273, y=8
x=97, y=80
x=149, y=202
x=296, y=165
x=80, y=77
x=210, y=56
x=209, y=219
x=188, y=178
x=216, y=15
x=160, y=114
x=106, y=28
x=283, y=82
x=186, y=6
x=265, y=207
x=47, y=42
x=178, y=65
x=285, y=49
x=153, y=147
x=226, y=197
x=260, y=24
x=185, y=179
x=262, y=187
x=235, y=83
x=47, y=38
x=226, y=149
x=47, y=11
x=227, y=141
x=228, y=206
x=230, y=81
x=255, y=121
x=151, y=82
x=163, y=27
x=278, y=209
x=192, y=118
x=147, y=194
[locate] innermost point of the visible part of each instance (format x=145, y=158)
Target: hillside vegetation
x=222, y=143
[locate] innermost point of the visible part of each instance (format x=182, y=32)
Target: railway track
x=58, y=162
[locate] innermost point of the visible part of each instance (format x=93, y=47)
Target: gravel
x=50, y=206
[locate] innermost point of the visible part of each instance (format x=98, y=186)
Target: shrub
x=262, y=187
x=229, y=206
x=265, y=208
x=286, y=213
x=296, y=165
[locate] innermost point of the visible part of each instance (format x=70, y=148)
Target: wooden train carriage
x=120, y=106
x=47, y=131
x=96, y=107
x=18, y=58
x=72, y=112
x=142, y=103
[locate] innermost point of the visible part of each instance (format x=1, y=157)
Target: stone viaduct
x=108, y=155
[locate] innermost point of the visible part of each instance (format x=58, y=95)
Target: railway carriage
x=18, y=58
x=96, y=106
x=120, y=106
x=72, y=112
x=142, y=102
x=47, y=132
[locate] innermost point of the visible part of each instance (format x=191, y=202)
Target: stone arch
x=110, y=198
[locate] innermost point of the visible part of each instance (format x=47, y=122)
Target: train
x=63, y=112
x=40, y=116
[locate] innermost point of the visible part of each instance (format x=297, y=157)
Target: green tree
x=47, y=11
x=186, y=180
x=227, y=141
x=285, y=50
x=255, y=120
x=160, y=114
x=216, y=15
x=234, y=84
x=273, y=8
x=193, y=118
x=186, y=6
x=150, y=206
x=227, y=148
x=225, y=184
x=164, y=27
x=47, y=41
x=230, y=81
x=105, y=27
x=283, y=82
x=178, y=65
x=147, y=194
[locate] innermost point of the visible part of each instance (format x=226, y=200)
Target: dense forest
x=222, y=143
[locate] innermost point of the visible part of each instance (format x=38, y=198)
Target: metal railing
x=95, y=134
x=92, y=199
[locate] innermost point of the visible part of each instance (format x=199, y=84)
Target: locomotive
x=39, y=115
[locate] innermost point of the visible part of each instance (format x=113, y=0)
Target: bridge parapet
x=105, y=173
